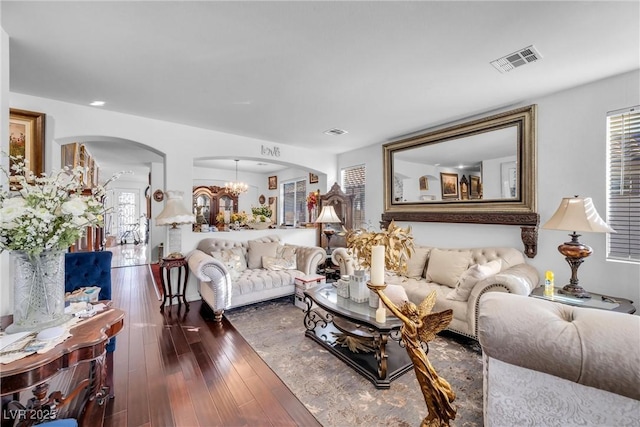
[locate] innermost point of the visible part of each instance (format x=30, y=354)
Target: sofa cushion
x=259, y=249
x=473, y=275
x=417, y=262
x=233, y=259
x=445, y=267
x=277, y=263
x=251, y=281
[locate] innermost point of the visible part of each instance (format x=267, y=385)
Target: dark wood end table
x=166, y=264
x=598, y=301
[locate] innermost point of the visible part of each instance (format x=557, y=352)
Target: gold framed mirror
x=495, y=154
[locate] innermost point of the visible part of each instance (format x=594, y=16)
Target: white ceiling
x=287, y=71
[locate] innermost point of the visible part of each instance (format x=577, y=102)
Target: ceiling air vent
x=517, y=59
x=335, y=131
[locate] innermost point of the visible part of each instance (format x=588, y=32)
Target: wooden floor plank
x=178, y=369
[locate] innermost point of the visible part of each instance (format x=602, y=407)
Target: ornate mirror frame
x=518, y=210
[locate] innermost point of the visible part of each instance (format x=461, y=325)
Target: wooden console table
x=87, y=345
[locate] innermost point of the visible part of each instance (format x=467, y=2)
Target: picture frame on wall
x=273, y=182
x=26, y=139
x=70, y=155
x=313, y=178
x=449, y=184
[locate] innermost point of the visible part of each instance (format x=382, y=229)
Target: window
x=294, y=202
x=353, y=182
x=623, y=174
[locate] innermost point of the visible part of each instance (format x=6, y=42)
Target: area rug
x=336, y=394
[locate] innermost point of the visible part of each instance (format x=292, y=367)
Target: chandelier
x=236, y=188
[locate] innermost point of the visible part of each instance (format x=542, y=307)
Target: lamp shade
x=174, y=211
x=328, y=215
x=577, y=214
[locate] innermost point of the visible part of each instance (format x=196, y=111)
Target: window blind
x=294, y=202
x=623, y=195
x=353, y=182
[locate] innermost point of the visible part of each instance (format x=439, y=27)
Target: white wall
x=571, y=160
x=65, y=121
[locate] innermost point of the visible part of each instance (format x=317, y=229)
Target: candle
x=381, y=313
x=377, y=265
x=227, y=216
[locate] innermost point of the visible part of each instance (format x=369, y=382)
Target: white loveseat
x=236, y=273
x=548, y=364
x=459, y=276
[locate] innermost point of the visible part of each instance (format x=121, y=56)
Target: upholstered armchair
x=84, y=269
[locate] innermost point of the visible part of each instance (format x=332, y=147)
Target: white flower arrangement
x=46, y=212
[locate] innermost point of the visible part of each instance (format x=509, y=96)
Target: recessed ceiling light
x=335, y=131
x=97, y=103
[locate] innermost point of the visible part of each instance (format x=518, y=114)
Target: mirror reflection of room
x=482, y=166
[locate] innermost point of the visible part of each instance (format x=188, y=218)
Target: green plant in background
x=262, y=210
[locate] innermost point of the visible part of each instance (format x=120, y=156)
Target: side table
x=601, y=302
x=166, y=264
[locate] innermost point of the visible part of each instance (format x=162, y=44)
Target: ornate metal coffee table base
x=385, y=363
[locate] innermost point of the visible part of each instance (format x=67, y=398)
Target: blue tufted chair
x=92, y=269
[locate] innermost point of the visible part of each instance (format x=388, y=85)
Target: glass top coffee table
x=349, y=331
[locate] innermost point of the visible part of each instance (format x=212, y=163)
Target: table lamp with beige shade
x=328, y=215
x=576, y=214
x=174, y=214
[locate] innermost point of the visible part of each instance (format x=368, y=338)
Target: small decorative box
x=310, y=280
x=358, y=291
x=342, y=288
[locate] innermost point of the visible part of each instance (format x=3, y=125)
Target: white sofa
x=459, y=276
x=548, y=364
x=236, y=273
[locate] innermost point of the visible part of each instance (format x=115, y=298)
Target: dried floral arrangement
x=398, y=244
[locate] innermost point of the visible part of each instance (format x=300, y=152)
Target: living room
x=571, y=134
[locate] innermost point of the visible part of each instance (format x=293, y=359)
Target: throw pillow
x=417, y=262
x=259, y=249
x=473, y=275
x=445, y=267
x=396, y=294
x=233, y=259
x=275, y=264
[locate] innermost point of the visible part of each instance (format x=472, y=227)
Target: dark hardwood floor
x=176, y=369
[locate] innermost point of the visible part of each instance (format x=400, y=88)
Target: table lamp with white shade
x=174, y=214
x=576, y=214
x=328, y=215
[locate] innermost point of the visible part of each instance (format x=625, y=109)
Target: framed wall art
x=273, y=182
x=313, y=178
x=26, y=138
x=449, y=183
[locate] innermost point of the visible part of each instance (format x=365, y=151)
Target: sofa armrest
x=308, y=258
x=520, y=279
x=596, y=348
x=344, y=260
x=208, y=269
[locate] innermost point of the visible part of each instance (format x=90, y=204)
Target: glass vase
x=38, y=290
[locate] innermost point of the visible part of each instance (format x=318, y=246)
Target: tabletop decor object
x=40, y=217
x=398, y=243
x=576, y=214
